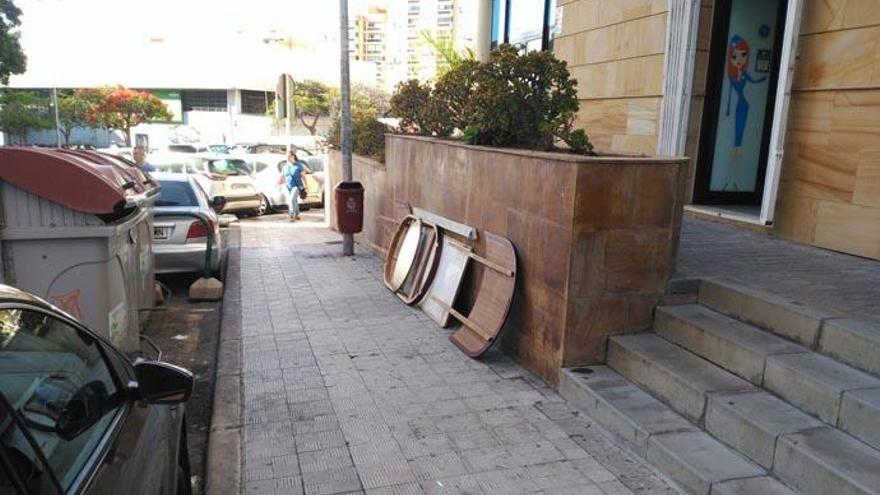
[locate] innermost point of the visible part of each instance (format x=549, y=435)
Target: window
x=204, y=100
x=527, y=23
x=256, y=102
x=52, y=376
x=226, y=166
x=176, y=193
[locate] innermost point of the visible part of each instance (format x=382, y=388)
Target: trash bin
x=349, y=198
x=76, y=226
x=142, y=261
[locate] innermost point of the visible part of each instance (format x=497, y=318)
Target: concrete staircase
x=738, y=391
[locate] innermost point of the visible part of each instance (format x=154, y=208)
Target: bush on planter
x=513, y=99
x=408, y=105
x=447, y=106
x=367, y=134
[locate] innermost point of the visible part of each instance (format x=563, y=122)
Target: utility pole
x=57, y=118
x=345, y=92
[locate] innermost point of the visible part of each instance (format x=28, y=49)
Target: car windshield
x=176, y=193
x=226, y=166
x=182, y=148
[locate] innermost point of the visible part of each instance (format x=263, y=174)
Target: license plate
x=160, y=233
x=239, y=186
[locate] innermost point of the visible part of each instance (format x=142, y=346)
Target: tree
x=12, y=59
x=311, y=100
x=22, y=111
x=122, y=108
x=447, y=53
x=76, y=109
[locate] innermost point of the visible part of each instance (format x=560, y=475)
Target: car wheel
x=264, y=206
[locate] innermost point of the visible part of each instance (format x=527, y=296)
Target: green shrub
x=522, y=100
x=367, y=133
x=408, y=103
x=446, y=109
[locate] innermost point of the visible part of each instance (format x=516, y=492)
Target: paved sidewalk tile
x=348, y=390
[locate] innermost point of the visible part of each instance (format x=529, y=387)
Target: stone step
x=827, y=461
x=860, y=415
x=678, y=377
x=619, y=406
x=735, y=346
x=760, y=308
x=853, y=342
x=696, y=461
x=751, y=422
x=764, y=485
x=815, y=383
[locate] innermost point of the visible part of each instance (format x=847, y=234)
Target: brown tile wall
x=595, y=237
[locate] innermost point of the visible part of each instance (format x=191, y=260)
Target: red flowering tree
x=122, y=108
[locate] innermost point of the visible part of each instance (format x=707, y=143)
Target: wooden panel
x=630, y=77
x=837, y=59
x=833, y=15
x=849, y=228
x=867, y=183
x=625, y=125
x=615, y=49
x=831, y=172
x=796, y=215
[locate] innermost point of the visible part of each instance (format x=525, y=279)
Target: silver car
x=219, y=175
x=179, y=239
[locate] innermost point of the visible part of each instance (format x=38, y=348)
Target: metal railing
x=209, y=245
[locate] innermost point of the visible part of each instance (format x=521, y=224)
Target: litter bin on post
x=349, y=199
x=72, y=233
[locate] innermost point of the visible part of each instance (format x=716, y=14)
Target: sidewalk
x=347, y=390
x=840, y=283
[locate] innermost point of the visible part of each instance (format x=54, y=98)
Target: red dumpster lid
x=142, y=183
x=76, y=181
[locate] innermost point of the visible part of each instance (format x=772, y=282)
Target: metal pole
x=287, y=82
x=57, y=118
x=345, y=91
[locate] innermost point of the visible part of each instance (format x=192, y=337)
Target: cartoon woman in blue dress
x=738, y=74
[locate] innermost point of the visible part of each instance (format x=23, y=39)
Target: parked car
x=266, y=168
x=179, y=239
x=78, y=416
x=219, y=175
x=261, y=148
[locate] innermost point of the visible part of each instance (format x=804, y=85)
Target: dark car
x=77, y=416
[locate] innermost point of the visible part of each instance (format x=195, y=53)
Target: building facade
x=393, y=36
x=775, y=101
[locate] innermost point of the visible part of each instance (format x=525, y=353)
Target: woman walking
x=293, y=178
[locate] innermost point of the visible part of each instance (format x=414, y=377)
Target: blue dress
x=742, y=105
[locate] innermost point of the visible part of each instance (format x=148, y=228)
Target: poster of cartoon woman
x=738, y=75
x=744, y=96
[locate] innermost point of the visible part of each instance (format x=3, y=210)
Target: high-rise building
x=394, y=36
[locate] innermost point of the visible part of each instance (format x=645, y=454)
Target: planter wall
x=595, y=236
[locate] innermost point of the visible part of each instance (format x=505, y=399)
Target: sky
x=79, y=42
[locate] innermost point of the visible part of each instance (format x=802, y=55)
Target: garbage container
x=142, y=261
x=349, y=197
x=73, y=234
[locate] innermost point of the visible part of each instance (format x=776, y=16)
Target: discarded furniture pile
x=430, y=259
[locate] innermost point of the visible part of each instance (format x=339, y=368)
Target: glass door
x=740, y=94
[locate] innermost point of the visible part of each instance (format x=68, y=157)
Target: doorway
x=743, y=73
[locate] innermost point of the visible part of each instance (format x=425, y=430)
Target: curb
x=223, y=465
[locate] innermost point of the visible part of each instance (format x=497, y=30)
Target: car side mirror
x=218, y=203
x=163, y=383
